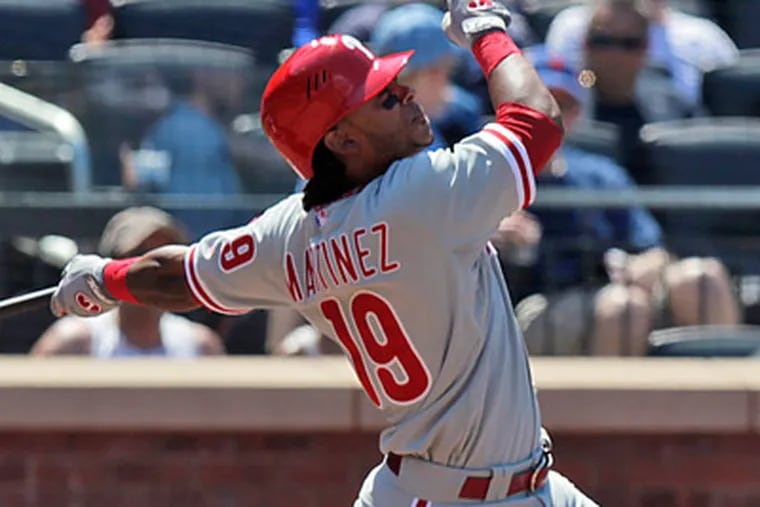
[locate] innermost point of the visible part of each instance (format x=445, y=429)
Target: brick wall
x=114, y=469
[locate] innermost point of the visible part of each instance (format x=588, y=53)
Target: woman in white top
x=132, y=330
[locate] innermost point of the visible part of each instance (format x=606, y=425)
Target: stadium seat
x=128, y=84
x=705, y=341
x=695, y=7
x=33, y=161
x=740, y=19
x=710, y=152
x=262, y=26
x=39, y=29
x=541, y=14
x=330, y=10
x=735, y=90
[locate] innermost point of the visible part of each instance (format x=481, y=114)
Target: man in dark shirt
x=625, y=90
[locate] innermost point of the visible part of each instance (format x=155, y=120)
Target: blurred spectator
x=607, y=299
x=685, y=46
x=624, y=91
x=131, y=330
x=360, y=21
x=187, y=151
x=454, y=113
x=99, y=25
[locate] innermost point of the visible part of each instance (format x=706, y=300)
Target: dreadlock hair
x=329, y=182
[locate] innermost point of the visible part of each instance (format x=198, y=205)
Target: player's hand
x=520, y=229
x=81, y=290
x=467, y=20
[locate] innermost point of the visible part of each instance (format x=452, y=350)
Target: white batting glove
x=81, y=290
x=469, y=19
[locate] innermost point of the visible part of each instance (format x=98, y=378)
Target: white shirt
x=686, y=45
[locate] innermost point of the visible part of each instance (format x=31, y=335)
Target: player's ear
x=341, y=142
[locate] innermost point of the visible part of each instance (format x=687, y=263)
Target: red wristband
x=492, y=48
x=115, y=279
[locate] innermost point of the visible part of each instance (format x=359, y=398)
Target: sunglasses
x=390, y=101
x=600, y=41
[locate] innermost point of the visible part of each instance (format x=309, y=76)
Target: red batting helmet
x=319, y=84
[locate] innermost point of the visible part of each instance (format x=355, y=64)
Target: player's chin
x=423, y=135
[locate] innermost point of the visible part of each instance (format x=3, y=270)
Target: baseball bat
x=25, y=302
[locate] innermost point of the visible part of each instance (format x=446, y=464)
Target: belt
x=476, y=487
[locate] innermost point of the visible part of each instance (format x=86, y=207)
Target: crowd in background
x=584, y=281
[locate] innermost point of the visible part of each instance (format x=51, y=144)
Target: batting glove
x=467, y=20
x=81, y=290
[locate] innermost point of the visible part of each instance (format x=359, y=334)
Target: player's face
x=389, y=127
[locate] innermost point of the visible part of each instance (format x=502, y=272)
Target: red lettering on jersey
x=361, y=253
x=294, y=285
x=318, y=265
x=311, y=287
x=385, y=266
x=328, y=262
x=343, y=258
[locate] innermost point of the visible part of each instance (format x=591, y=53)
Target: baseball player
x=386, y=252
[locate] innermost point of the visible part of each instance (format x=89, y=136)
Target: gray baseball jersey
x=400, y=273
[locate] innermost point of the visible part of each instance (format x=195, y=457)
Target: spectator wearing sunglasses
x=624, y=90
x=454, y=113
x=680, y=44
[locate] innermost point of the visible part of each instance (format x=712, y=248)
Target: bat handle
x=24, y=302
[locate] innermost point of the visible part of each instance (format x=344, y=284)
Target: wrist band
x=493, y=47
x=115, y=279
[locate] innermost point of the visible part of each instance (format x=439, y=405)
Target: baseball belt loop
x=545, y=463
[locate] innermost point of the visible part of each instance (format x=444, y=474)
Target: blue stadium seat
x=735, y=90
x=34, y=161
x=128, y=84
x=39, y=29
x=263, y=26
x=705, y=341
x=707, y=152
x=541, y=14
x=704, y=151
x=331, y=10
x=740, y=19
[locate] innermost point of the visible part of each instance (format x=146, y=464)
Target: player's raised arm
x=522, y=102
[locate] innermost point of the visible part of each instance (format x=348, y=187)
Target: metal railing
x=38, y=114
x=656, y=198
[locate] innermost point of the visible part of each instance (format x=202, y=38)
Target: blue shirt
x=186, y=152
x=568, y=232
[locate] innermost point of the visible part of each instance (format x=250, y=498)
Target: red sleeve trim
x=538, y=133
x=115, y=279
x=200, y=294
x=526, y=177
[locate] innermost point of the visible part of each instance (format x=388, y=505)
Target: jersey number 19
x=382, y=350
